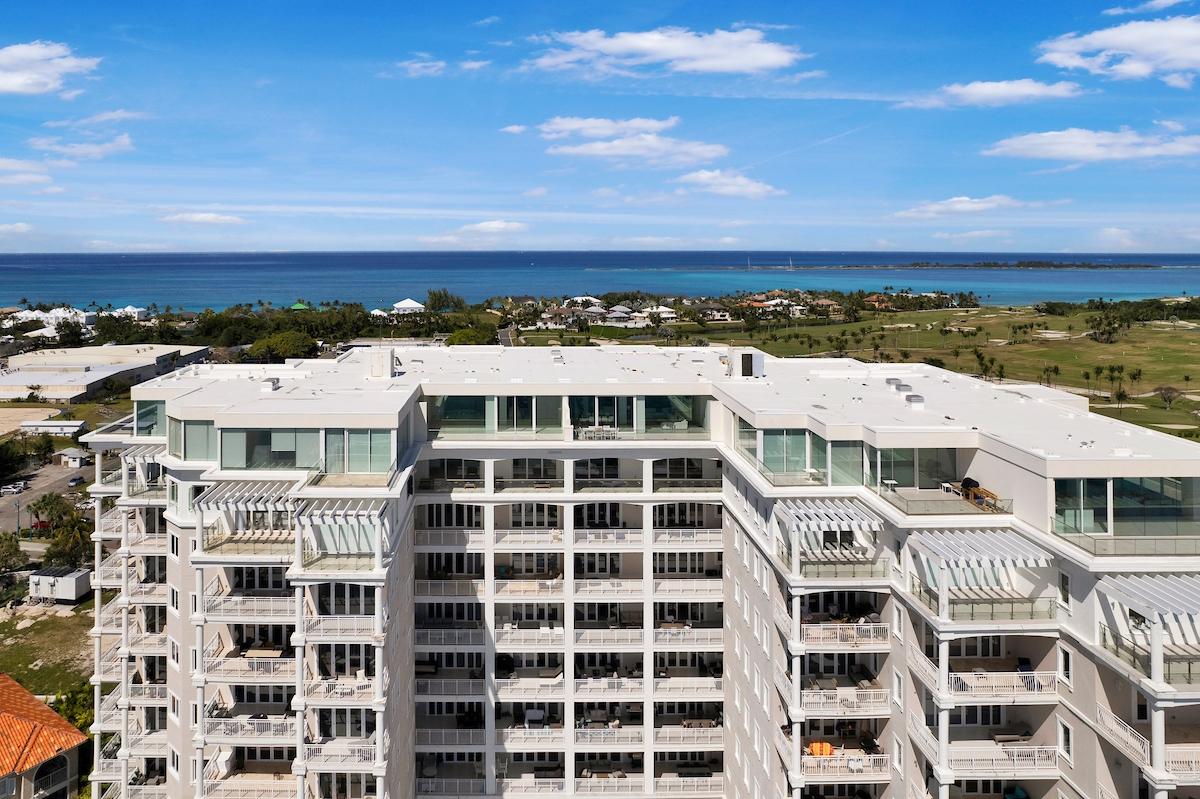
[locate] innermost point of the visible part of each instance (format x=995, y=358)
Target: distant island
x=966, y=265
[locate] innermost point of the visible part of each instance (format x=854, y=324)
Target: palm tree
x=1087, y=379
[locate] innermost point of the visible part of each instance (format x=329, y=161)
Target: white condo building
x=695, y=572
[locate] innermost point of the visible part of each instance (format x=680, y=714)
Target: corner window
x=150, y=418
x=1065, y=741
x=1064, y=664
x=1064, y=591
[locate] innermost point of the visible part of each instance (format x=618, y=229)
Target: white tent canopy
x=985, y=546
x=1155, y=594
x=260, y=495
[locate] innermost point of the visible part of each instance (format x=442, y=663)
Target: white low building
x=79, y=373
x=407, y=306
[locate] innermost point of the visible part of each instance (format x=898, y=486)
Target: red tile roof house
x=39, y=749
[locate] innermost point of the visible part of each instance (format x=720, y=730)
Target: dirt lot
x=11, y=418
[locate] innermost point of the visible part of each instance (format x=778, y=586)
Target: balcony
x=864, y=568
x=528, y=537
x=1027, y=761
x=701, y=589
x=588, y=485
x=609, y=537
x=612, y=590
x=341, y=755
x=619, y=637
x=425, y=687
x=223, y=725
x=535, y=485
x=609, y=689
x=518, y=636
x=152, y=492
x=1012, y=687
x=1123, y=736
x=617, y=781
x=451, y=538
x=529, y=590
x=450, y=786
x=608, y=737
x=450, y=588
x=846, y=637
x=1181, y=664
x=986, y=604
x=847, y=766
x=339, y=627
x=236, y=544
x=677, y=635
x=339, y=690
x=688, y=688
x=428, y=735
x=531, y=688
x=687, y=485
x=690, y=734
x=689, y=786
x=221, y=605
x=272, y=664
x=111, y=523
x=690, y=537
x=534, y=738
x=845, y=702
x=249, y=785
x=453, y=636
x=113, y=571
x=443, y=485
x=950, y=499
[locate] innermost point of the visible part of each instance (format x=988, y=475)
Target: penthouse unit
x=476, y=571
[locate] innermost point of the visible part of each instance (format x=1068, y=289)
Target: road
x=45, y=480
x=506, y=337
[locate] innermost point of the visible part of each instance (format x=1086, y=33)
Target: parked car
x=10, y=490
x=75, y=481
x=41, y=524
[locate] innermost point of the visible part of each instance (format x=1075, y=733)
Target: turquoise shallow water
x=198, y=280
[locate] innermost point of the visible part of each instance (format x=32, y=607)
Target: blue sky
x=1063, y=126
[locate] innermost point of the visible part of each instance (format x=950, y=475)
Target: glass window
x=1080, y=505
x=150, y=418
x=675, y=412
x=936, y=466
x=1156, y=506
x=280, y=448
x=785, y=451
x=199, y=441
x=846, y=463
x=547, y=412
x=464, y=414
x=514, y=413
x=335, y=450
x=817, y=452
x=583, y=411
x=175, y=437
x=898, y=465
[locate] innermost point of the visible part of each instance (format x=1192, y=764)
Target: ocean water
x=194, y=281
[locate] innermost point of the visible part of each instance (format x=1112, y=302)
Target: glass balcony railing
x=1135, y=545
x=938, y=501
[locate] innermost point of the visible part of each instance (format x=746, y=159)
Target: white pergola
x=1155, y=596
x=247, y=495
x=811, y=519
x=333, y=509
x=143, y=453
x=970, y=548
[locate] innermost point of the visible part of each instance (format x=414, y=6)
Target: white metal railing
x=450, y=787
x=1104, y=793
x=609, y=735
x=114, y=569
x=1124, y=736
x=590, y=588
x=436, y=736
x=528, y=537
x=537, y=785
x=924, y=668
x=151, y=792
x=695, y=636
x=605, y=686
x=528, y=588
x=521, y=736
x=633, y=783
x=924, y=737
x=551, y=636
x=250, y=606
x=244, y=667
x=626, y=637
x=338, y=626
x=1183, y=760
x=844, y=701
x=1008, y=760
x=449, y=687
x=335, y=754
x=244, y=727
x=530, y=687
x=148, y=693
x=249, y=789
x=676, y=734
x=685, y=685
x=152, y=642
x=689, y=587
x=1003, y=684
x=450, y=588
x=609, y=536
x=845, y=635
x=464, y=537
x=845, y=765
x=694, y=536
x=460, y=636
x=340, y=690
x=689, y=785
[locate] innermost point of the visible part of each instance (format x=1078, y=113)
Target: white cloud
x=421, y=66
x=49, y=190
x=24, y=179
x=486, y=21
x=473, y=65
x=16, y=227
x=728, y=183
x=514, y=129
x=70, y=94
x=1081, y=144
x=993, y=93
x=1168, y=49
x=602, y=128
x=1117, y=238
x=956, y=206
x=536, y=191
x=648, y=149
x=203, y=218
x=494, y=226
x=20, y=165
x=971, y=235
x=650, y=241
x=119, y=115
x=39, y=67
x=1147, y=7
x=728, y=240
x=1171, y=125
x=87, y=150
x=672, y=48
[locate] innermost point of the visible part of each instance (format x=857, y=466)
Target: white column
x=647, y=476
x=1158, y=740
x=567, y=521
x=1156, y=650
x=943, y=593
x=648, y=669
x=489, y=652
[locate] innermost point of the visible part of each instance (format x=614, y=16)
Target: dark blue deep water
x=194, y=281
